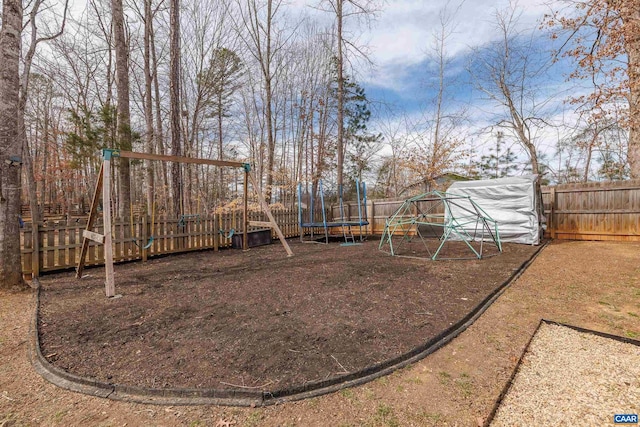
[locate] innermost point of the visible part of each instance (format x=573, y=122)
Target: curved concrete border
x=231, y=397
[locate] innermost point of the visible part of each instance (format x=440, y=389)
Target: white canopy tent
x=510, y=201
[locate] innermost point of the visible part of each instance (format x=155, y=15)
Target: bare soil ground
x=593, y=285
x=259, y=319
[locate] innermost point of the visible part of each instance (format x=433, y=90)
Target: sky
x=398, y=39
x=402, y=34
x=402, y=80
x=400, y=43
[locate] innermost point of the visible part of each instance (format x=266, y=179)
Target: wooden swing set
x=103, y=185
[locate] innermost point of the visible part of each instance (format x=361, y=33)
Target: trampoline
x=346, y=224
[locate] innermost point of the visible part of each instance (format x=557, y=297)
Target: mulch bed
x=257, y=319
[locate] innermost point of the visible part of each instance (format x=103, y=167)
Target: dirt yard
x=259, y=320
x=593, y=285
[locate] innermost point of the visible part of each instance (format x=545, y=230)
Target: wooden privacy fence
x=590, y=211
x=593, y=211
x=60, y=243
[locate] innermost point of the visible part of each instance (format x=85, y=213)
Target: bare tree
x=258, y=31
x=176, y=104
x=10, y=146
x=148, y=104
x=211, y=71
x=24, y=86
x=603, y=40
x=223, y=74
x=507, y=73
x=159, y=132
x=435, y=147
x=345, y=9
x=124, y=114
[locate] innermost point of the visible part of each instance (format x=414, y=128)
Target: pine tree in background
x=500, y=162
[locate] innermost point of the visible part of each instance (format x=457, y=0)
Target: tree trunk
x=10, y=146
x=523, y=133
x=159, y=130
x=266, y=67
x=630, y=14
x=222, y=193
x=174, y=99
x=340, y=70
x=124, y=117
x=587, y=162
x=32, y=191
x=148, y=105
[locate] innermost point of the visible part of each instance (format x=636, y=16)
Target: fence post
x=35, y=257
x=552, y=212
x=370, y=216
x=216, y=234
x=143, y=243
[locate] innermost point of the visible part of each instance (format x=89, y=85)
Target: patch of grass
x=495, y=342
x=312, y=402
x=632, y=314
x=385, y=416
x=253, y=419
x=632, y=334
x=423, y=417
x=195, y=423
x=383, y=380
x=445, y=377
x=400, y=388
x=58, y=416
x=368, y=393
x=611, y=321
x=384, y=410
x=608, y=304
x=465, y=384
x=415, y=380
x=347, y=393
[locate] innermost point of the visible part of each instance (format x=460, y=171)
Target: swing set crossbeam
x=103, y=185
x=178, y=159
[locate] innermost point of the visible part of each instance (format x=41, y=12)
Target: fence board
x=594, y=211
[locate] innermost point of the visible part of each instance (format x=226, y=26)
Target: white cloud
x=403, y=33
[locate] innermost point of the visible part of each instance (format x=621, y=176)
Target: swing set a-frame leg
x=265, y=208
x=93, y=213
x=103, y=184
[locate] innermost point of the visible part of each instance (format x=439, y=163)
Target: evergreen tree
x=220, y=81
x=500, y=162
x=360, y=145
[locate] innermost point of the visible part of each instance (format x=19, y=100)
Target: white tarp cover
x=510, y=201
